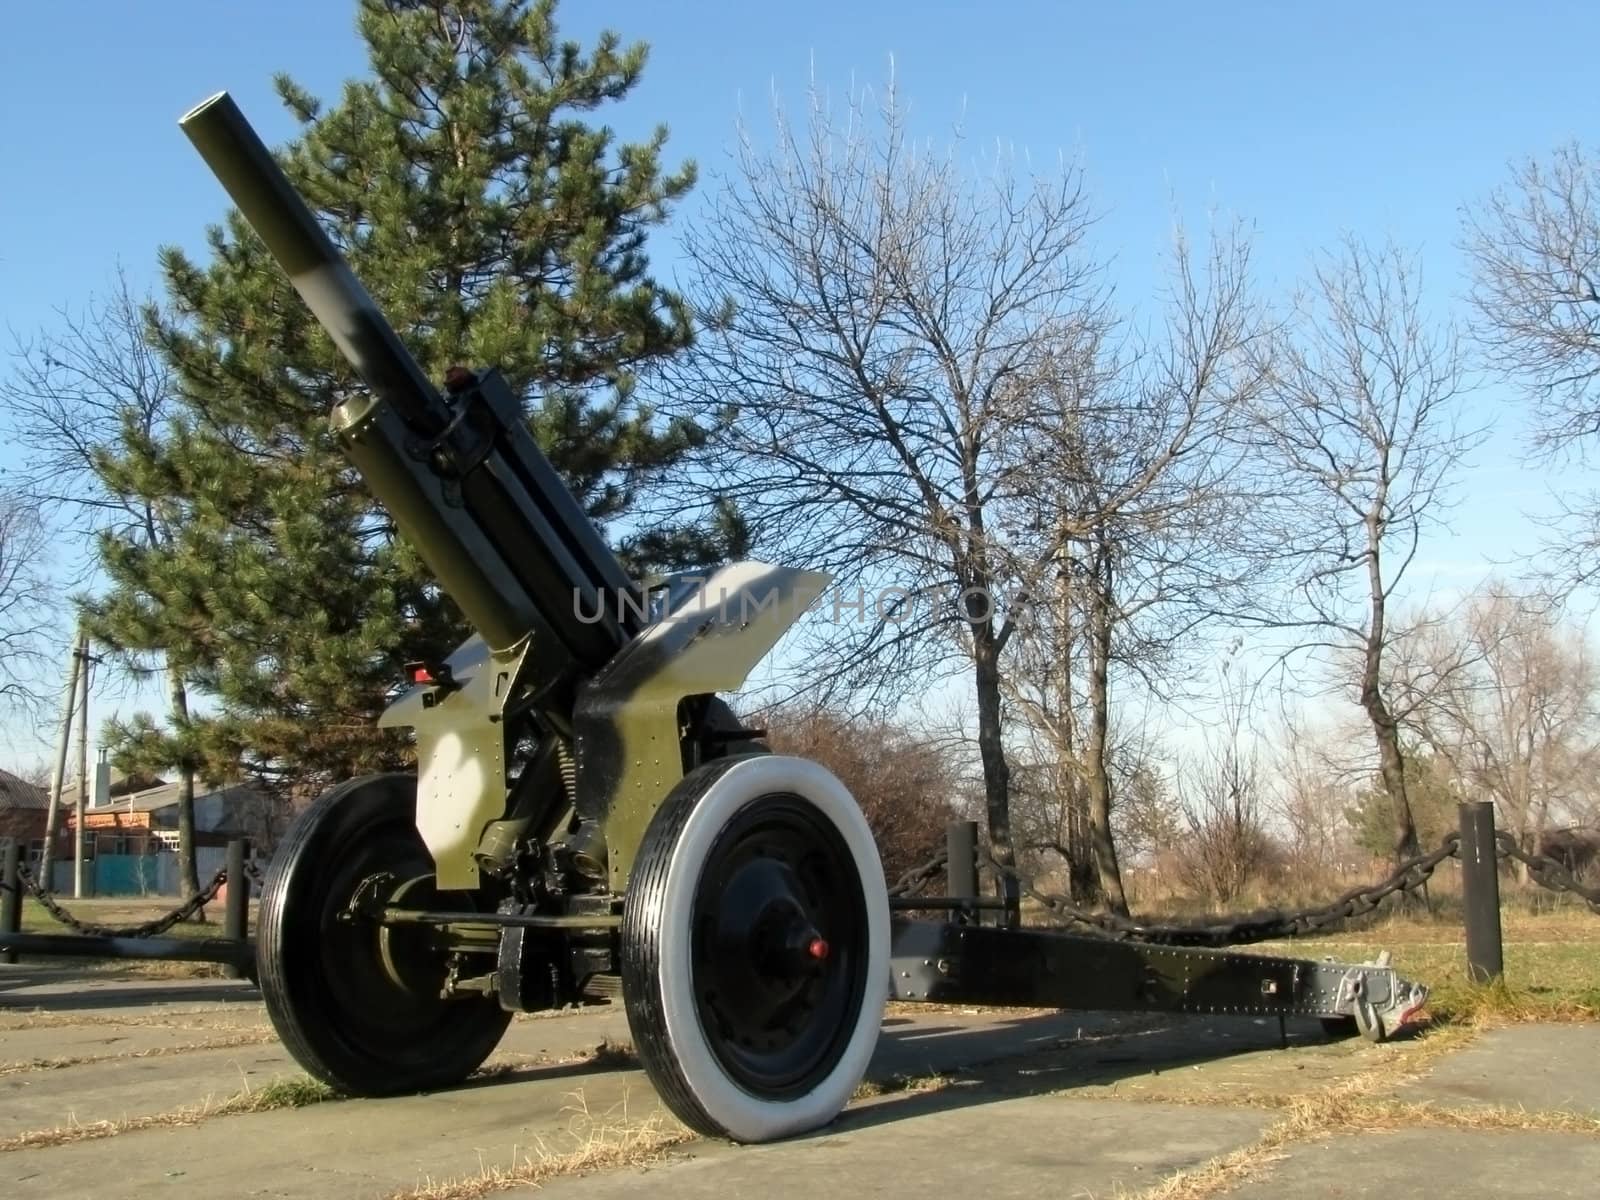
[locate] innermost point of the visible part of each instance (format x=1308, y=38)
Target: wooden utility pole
x=53, y=816
x=83, y=769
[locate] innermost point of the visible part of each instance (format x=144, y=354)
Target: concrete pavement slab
x=26, y=988
x=135, y=1087
x=1460, y=1164
x=118, y=1088
x=1523, y=1066
x=1016, y=1149
x=100, y=1039
x=344, y=1149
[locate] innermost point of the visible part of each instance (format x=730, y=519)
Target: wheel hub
x=779, y=929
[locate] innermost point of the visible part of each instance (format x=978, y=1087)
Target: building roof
x=19, y=793
x=122, y=787
x=151, y=799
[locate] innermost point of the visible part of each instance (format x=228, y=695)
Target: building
x=131, y=836
x=24, y=808
x=141, y=816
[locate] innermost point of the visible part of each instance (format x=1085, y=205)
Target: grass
x=253, y=1037
x=612, y=1055
x=123, y=911
x=1552, y=965
x=282, y=1092
x=591, y=1143
x=292, y=1092
x=120, y=911
x=39, y=1017
x=889, y=1085
x=1314, y=1118
x=1361, y=1104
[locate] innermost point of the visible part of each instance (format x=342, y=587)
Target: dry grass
x=282, y=1092
x=612, y=1055
x=168, y=1018
x=293, y=1092
x=890, y=1085
x=1359, y=1105
x=251, y=1038
x=1314, y=1118
x=591, y=1143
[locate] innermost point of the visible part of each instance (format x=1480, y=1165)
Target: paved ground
x=1068, y=1105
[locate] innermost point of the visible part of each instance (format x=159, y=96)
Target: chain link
x=1547, y=872
x=151, y=928
x=1236, y=929
x=918, y=878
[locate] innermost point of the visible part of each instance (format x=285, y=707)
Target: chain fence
x=1263, y=925
x=914, y=880
x=1547, y=872
x=151, y=928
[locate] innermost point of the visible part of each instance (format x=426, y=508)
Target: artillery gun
x=586, y=809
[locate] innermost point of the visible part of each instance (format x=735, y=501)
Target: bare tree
x=873, y=308
x=1223, y=804
x=1314, y=787
x=1534, y=246
x=1131, y=492
x=26, y=597
x=1521, y=722
x=70, y=397
x=1363, y=419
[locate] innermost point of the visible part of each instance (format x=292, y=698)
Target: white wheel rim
x=745, y=1117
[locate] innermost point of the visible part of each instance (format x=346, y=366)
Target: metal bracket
x=1378, y=999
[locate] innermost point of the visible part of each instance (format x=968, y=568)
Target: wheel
x=359, y=1005
x=755, y=948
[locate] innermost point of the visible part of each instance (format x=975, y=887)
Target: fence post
x=961, y=864
x=11, y=898
x=236, y=911
x=1480, y=890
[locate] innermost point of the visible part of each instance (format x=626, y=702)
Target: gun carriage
x=587, y=811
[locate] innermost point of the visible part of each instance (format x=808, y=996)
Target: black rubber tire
x=659, y=990
x=346, y=1019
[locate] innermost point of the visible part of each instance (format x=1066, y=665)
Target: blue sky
x=1304, y=120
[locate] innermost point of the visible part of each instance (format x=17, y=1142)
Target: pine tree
x=494, y=226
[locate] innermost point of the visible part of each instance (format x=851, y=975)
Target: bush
x=904, y=783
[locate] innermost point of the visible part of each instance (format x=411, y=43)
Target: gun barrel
x=245, y=168
x=494, y=521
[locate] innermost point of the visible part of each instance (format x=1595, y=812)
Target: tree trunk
x=991, y=747
x=1105, y=848
x=1528, y=838
x=1391, y=767
x=188, y=873
x=1385, y=729
x=1083, y=876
